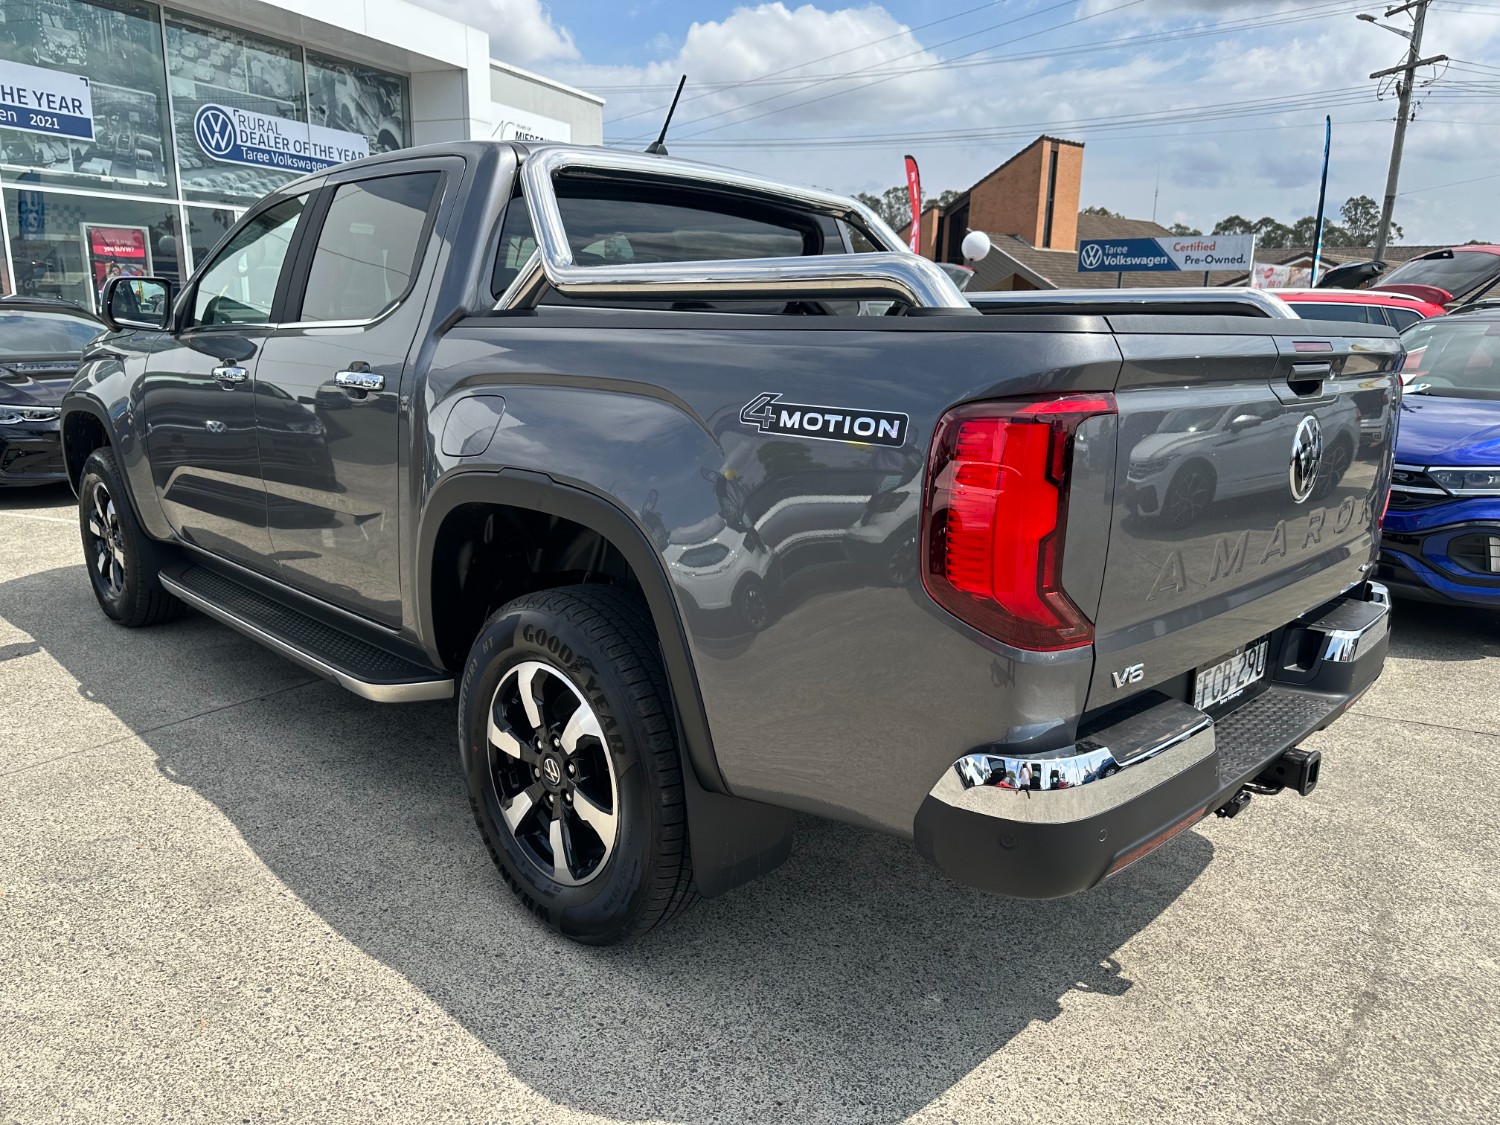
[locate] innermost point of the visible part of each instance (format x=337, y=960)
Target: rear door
x=328, y=385
x=1225, y=530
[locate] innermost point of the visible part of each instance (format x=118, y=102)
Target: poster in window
x=116, y=252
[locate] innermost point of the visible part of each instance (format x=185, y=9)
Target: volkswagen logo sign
x=1307, y=456
x=214, y=131
x=1092, y=256
x=551, y=771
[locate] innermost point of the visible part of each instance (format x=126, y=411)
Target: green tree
x=1270, y=233
x=1361, y=216
x=1182, y=230
x=1105, y=212
x=1234, y=224
x=893, y=205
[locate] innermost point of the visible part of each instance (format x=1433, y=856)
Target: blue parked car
x=1441, y=536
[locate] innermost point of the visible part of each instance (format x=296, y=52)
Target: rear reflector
x=997, y=500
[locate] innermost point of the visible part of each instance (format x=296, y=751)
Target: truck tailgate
x=1253, y=462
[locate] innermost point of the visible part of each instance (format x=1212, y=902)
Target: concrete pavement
x=233, y=892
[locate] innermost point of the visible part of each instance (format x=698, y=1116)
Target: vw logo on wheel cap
x=214, y=131
x=1307, y=456
x=552, y=771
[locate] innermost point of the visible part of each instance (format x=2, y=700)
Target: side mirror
x=136, y=302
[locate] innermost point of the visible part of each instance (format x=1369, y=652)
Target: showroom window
x=229, y=86
x=68, y=246
x=101, y=62
x=358, y=99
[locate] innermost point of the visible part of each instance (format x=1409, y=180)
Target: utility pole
x=1404, y=85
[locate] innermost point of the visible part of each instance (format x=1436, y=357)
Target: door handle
x=359, y=380
x=230, y=375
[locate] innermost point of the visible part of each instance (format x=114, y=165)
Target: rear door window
x=1327, y=310
x=1402, y=319
x=369, y=248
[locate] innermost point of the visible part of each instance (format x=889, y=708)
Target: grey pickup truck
x=710, y=505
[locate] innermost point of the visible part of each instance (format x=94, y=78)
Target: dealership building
x=133, y=135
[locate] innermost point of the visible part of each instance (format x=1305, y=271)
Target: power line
x=1319, y=99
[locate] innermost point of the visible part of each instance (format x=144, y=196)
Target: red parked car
x=1366, y=306
x=1456, y=275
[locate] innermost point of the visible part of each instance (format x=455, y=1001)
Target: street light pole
x=1404, y=85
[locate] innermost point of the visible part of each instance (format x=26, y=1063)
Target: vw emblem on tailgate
x=1307, y=455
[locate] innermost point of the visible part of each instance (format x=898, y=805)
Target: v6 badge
x=825, y=423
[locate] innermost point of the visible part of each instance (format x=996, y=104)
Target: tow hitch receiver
x=1296, y=769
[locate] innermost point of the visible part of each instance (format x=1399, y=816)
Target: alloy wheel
x=106, y=541
x=552, y=773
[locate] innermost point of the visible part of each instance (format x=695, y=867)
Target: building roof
x=1117, y=226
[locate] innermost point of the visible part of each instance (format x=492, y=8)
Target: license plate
x=1230, y=677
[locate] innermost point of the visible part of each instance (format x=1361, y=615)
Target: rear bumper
x=1097, y=806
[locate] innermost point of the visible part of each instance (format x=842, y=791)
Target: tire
x=123, y=562
x=751, y=603
x=613, y=801
x=1188, y=496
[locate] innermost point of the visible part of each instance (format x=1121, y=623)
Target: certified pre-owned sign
x=1167, y=252
x=241, y=136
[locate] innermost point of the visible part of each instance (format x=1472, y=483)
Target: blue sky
x=1220, y=102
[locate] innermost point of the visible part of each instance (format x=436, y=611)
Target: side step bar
x=365, y=669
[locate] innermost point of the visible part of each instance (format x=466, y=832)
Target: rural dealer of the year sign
x=1199, y=252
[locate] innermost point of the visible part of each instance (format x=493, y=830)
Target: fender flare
x=83, y=404
x=733, y=840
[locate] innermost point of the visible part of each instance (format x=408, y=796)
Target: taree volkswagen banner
x=240, y=136
x=36, y=100
x=1197, y=252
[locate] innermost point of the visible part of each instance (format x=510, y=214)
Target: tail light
x=996, y=515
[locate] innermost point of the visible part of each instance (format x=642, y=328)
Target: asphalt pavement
x=231, y=892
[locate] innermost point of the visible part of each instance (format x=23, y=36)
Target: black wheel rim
x=106, y=546
x=753, y=606
x=552, y=774
x=1188, y=498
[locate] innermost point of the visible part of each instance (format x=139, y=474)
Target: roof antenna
x=658, y=147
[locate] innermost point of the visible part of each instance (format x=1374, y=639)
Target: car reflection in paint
x=1199, y=456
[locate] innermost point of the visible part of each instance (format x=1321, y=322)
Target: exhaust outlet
x=1296, y=769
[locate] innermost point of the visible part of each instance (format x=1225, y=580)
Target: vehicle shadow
x=35, y=496
x=1432, y=631
x=855, y=983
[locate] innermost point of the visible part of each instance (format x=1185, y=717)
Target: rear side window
x=1327, y=310
x=369, y=247
x=1402, y=319
x=605, y=232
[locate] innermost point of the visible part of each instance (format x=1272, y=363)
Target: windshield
x=25, y=334
x=1454, y=354
x=1458, y=274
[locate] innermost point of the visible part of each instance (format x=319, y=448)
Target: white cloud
x=772, y=39
x=521, y=31
x=1207, y=168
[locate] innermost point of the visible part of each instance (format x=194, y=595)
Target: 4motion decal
x=770, y=415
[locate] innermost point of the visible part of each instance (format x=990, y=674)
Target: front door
x=197, y=394
x=328, y=391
